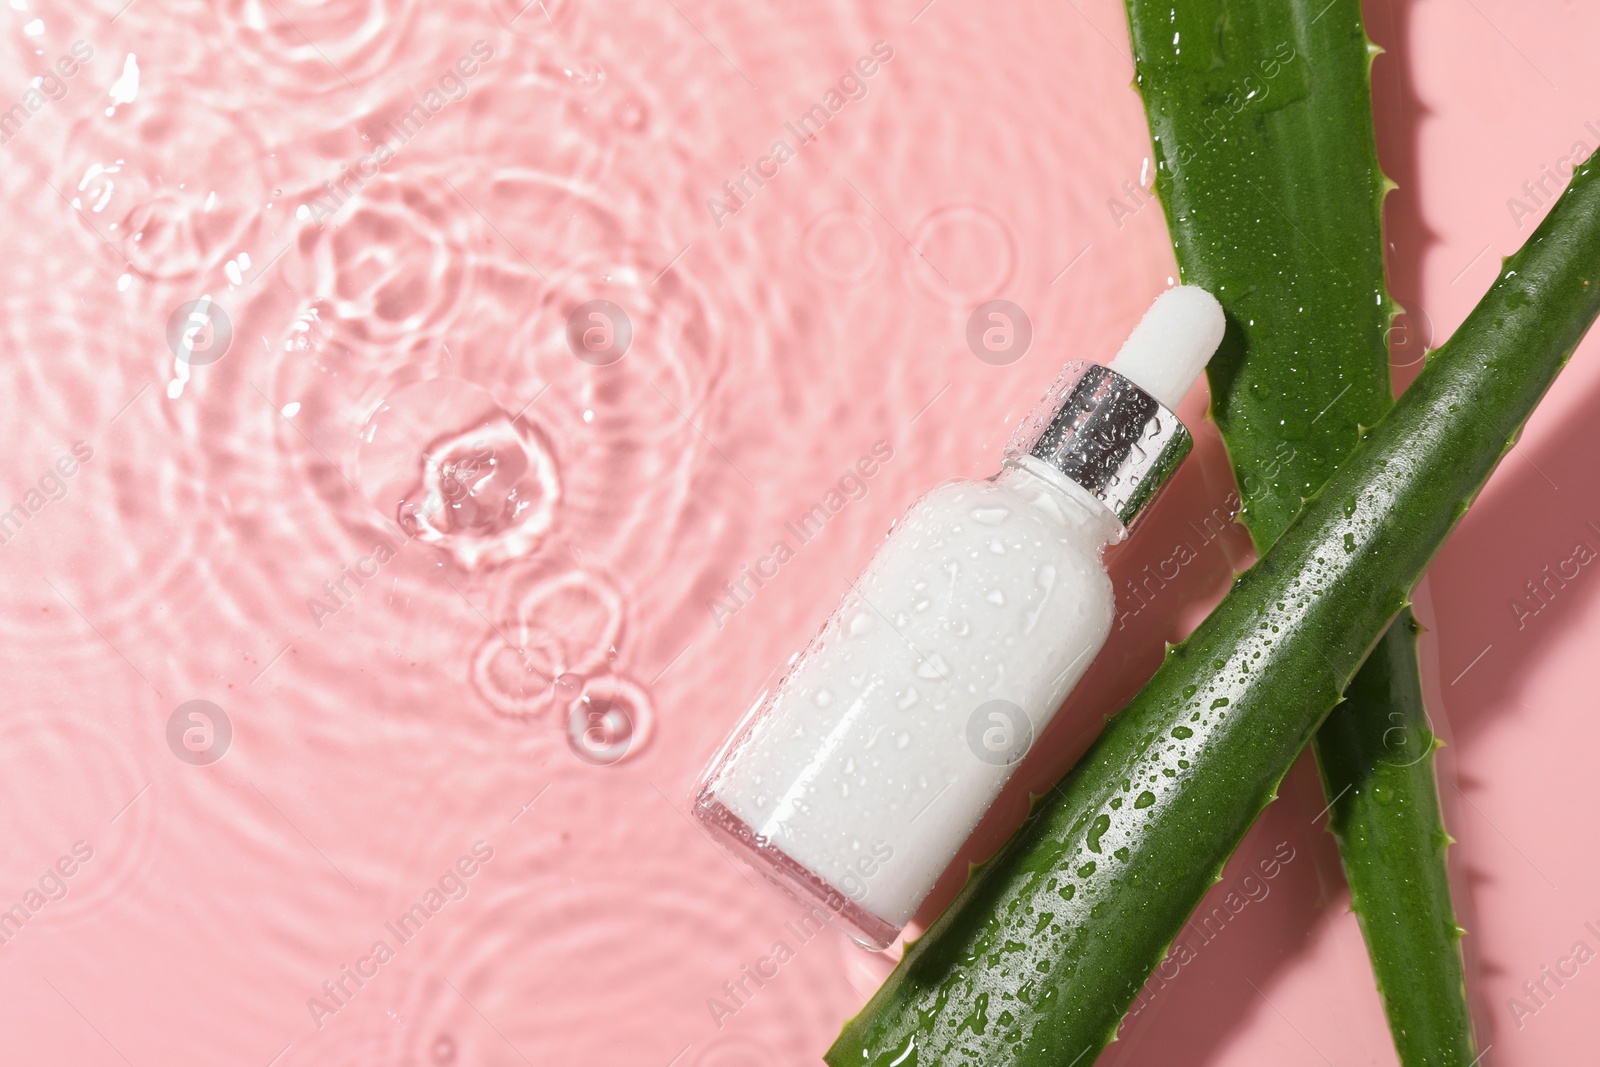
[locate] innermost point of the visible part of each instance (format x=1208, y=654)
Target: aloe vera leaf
x=1272, y=160
x=1043, y=950
x=1261, y=116
x=1376, y=754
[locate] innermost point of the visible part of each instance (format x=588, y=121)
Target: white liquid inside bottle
x=857, y=779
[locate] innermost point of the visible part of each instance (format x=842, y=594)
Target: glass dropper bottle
x=855, y=781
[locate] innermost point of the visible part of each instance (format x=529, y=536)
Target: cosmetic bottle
x=854, y=782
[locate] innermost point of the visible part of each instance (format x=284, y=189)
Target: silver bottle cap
x=1107, y=435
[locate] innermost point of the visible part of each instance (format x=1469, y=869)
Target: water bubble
x=559, y=629
x=199, y=732
x=443, y=1050
x=455, y=470
x=483, y=493
x=610, y=721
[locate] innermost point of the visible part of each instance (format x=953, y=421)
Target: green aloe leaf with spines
x=1376, y=754
x=1041, y=953
x=1268, y=171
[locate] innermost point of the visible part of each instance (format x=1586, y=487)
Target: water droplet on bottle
x=933, y=665
x=995, y=596
x=908, y=696
x=822, y=697
x=990, y=516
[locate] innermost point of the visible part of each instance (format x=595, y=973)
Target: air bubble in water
x=610, y=721
x=454, y=469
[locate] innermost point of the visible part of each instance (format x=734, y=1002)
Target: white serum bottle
x=854, y=782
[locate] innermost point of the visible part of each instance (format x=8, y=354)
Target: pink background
x=372, y=747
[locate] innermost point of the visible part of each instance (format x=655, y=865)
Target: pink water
x=470, y=612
